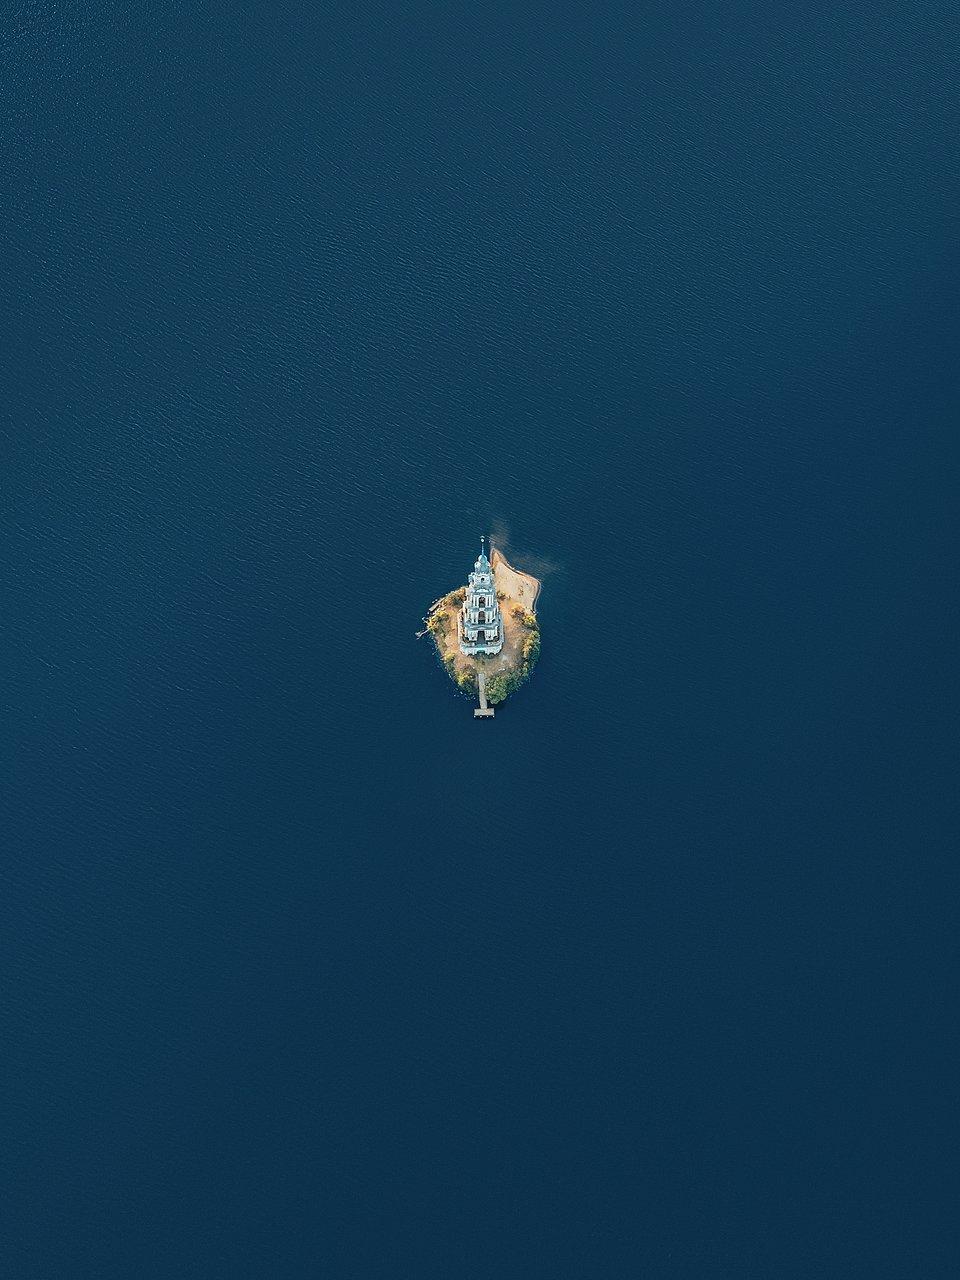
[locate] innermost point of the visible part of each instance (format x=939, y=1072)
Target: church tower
x=479, y=622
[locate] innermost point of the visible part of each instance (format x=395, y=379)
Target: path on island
x=483, y=709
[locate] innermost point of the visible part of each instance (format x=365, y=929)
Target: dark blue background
x=306, y=973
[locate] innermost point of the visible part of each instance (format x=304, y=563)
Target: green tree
x=437, y=623
x=467, y=681
x=500, y=687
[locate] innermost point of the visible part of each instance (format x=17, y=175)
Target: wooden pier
x=483, y=709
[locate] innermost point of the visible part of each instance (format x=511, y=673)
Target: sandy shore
x=518, y=587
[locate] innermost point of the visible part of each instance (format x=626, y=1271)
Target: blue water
x=305, y=972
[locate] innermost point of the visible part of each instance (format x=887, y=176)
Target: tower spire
x=479, y=622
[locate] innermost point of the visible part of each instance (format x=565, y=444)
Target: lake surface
x=305, y=972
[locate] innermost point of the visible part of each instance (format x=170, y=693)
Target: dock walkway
x=483, y=709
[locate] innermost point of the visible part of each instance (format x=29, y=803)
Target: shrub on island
x=466, y=681
x=437, y=623
x=501, y=686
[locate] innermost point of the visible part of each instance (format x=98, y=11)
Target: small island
x=486, y=633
